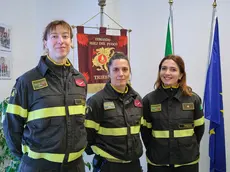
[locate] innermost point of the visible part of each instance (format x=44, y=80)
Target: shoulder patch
x=137, y=103
x=13, y=92
x=88, y=109
x=80, y=82
x=155, y=108
x=39, y=84
x=201, y=107
x=109, y=105
x=188, y=106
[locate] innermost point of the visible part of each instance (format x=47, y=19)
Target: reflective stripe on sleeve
x=92, y=124
x=147, y=124
x=199, y=122
x=17, y=110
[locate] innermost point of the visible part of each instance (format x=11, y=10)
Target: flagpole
x=171, y=16
x=214, y=4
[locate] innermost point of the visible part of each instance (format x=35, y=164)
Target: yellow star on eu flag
x=212, y=131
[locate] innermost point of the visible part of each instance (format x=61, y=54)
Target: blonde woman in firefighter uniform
x=44, y=124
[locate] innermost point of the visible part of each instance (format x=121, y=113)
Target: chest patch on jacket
x=109, y=105
x=155, y=108
x=188, y=106
x=39, y=84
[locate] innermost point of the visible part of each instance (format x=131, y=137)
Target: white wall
x=20, y=15
x=148, y=20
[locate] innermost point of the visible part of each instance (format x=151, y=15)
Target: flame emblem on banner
x=102, y=58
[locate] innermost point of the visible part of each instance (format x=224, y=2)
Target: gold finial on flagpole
x=214, y=4
x=170, y=2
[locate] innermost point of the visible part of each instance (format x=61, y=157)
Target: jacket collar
x=44, y=65
x=112, y=94
x=162, y=95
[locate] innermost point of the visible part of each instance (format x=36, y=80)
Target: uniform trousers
x=171, y=168
x=74, y=166
x=133, y=166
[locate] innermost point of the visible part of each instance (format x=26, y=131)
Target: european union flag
x=213, y=108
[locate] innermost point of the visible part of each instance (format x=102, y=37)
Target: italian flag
x=168, y=46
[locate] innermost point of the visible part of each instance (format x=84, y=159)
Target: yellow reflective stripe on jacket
x=142, y=120
x=191, y=163
x=147, y=124
x=175, y=165
x=76, y=109
x=17, y=110
x=46, y=112
x=160, y=134
x=92, y=124
x=183, y=133
x=148, y=161
x=177, y=133
x=53, y=157
x=75, y=155
x=118, y=131
x=199, y=122
x=55, y=111
x=135, y=129
x=106, y=155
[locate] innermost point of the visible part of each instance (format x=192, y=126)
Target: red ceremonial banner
x=94, y=52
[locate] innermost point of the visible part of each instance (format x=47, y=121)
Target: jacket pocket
x=113, y=118
x=158, y=151
x=47, y=133
x=79, y=132
x=189, y=149
x=137, y=147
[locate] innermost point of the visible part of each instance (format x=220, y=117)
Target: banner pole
x=101, y=3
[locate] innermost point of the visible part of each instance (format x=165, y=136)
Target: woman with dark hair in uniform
x=113, y=120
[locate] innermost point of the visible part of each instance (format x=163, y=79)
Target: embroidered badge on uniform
x=188, y=106
x=13, y=92
x=137, y=103
x=39, y=84
x=88, y=109
x=109, y=105
x=79, y=101
x=201, y=107
x=186, y=126
x=155, y=108
x=80, y=82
